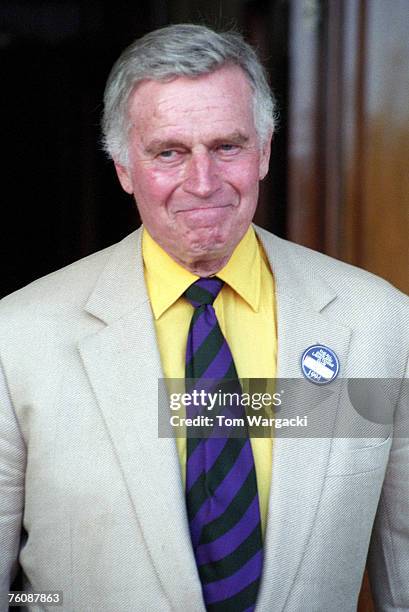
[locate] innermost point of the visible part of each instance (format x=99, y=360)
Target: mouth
x=203, y=208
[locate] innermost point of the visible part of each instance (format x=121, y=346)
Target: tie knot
x=203, y=291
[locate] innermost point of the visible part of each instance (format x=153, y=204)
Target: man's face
x=194, y=164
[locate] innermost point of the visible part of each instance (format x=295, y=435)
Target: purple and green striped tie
x=221, y=488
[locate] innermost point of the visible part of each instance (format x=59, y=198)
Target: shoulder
x=63, y=291
x=68, y=283
x=374, y=310
x=344, y=279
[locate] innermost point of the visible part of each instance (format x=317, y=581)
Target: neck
x=204, y=268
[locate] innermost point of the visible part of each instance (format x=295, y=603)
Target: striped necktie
x=221, y=488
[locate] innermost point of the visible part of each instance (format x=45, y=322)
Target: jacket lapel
x=299, y=463
x=123, y=365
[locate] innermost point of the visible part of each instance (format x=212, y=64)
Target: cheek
x=247, y=187
x=249, y=177
x=244, y=177
x=152, y=189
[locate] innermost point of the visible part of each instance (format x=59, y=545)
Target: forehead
x=220, y=101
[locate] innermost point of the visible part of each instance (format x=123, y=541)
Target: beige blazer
x=99, y=496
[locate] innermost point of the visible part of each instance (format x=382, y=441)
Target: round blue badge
x=319, y=364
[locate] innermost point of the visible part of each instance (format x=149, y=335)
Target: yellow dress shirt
x=245, y=309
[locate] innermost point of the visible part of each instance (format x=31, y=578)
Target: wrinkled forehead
x=229, y=81
x=223, y=96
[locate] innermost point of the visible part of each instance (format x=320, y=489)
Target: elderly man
x=93, y=503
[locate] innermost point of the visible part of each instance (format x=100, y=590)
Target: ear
x=124, y=177
x=265, y=157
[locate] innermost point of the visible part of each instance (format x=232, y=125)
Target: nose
x=202, y=178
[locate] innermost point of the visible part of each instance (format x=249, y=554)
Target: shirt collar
x=243, y=270
x=167, y=280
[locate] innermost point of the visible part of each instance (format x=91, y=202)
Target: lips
x=204, y=208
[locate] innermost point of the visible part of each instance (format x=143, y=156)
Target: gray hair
x=179, y=50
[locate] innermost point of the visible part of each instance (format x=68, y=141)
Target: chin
x=201, y=239
x=207, y=247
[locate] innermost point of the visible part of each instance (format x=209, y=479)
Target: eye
x=228, y=149
x=168, y=154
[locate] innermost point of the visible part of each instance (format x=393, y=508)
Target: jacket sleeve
x=12, y=470
x=388, y=560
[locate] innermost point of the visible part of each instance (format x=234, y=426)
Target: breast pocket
x=345, y=459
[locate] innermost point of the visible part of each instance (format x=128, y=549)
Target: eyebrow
x=157, y=144
x=234, y=138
